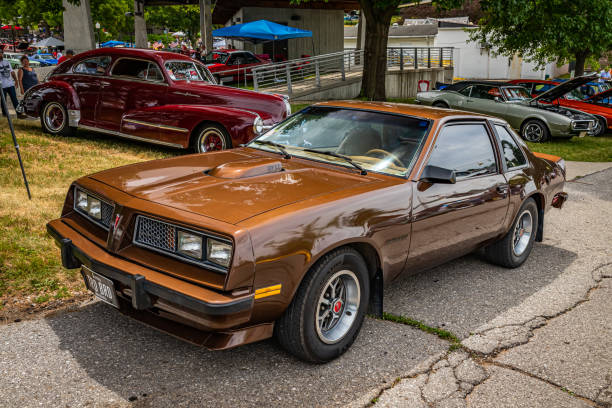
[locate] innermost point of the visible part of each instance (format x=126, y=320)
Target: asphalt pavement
x=514, y=324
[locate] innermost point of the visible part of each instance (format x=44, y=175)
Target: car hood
x=270, y=107
x=563, y=88
x=229, y=186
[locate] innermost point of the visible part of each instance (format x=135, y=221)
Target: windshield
x=216, y=57
x=516, y=94
x=376, y=141
x=187, y=71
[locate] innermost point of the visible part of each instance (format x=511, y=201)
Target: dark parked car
x=295, y=233
x=151, y=96
x=232, y=65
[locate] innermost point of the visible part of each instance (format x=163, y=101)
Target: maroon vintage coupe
x=152, y=96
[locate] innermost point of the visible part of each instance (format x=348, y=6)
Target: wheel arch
x=540, y=201
x=373, y=262
x=196, y=128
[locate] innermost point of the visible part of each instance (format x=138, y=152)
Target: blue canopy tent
x=261, y=31
x=113, y=43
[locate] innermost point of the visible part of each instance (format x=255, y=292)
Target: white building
x=472, y=61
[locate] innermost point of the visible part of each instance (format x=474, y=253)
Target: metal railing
x=419, y=57
x=304, y=74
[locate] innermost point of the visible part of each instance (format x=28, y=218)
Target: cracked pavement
x=538, y=335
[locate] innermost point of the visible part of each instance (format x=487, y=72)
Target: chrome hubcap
x=211, y=140
x=522, y=233
x=533, y=132
x=338, y=306
x=54, y=117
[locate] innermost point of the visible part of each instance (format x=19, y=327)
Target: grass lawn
x=588, y=148
x=29, y=260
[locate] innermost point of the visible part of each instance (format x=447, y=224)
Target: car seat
x=359, y=140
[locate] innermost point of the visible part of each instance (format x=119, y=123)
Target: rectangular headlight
x=218, y=252
x=190, y=244
x=81, y=200
x=94, y=208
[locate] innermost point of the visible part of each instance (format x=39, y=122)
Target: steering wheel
x=395, y=159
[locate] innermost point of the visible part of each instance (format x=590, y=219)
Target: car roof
x=460, y=85
x=535, y=81
x=135, y=52
x=426, y=112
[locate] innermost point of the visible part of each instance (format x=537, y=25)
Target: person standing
x=69, y=54
x=26, y=77
x=7, y=80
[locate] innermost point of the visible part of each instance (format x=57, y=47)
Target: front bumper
x=145, y=289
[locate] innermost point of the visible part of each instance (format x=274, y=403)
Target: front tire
x=327, y=311
x=535, y=131
x=54, y=120
x=600, y=126
x=210, y=137
x=514, y=248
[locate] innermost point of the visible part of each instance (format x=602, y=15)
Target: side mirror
x=497, y=99
x=435, y=174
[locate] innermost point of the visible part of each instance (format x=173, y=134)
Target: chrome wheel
x=54, y=117
x=338, y=306
x=211, y=139
x=522, y=233
x=533, y=132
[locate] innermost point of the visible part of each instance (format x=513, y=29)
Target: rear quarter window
x=513, y=155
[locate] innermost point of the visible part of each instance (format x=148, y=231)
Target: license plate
x=102, y=287
x=582, y=134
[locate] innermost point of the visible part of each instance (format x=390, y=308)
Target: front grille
x=107, y=214
x=155, y=234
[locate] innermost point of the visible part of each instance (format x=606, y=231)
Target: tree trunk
x=375, y=50
x=581, y=57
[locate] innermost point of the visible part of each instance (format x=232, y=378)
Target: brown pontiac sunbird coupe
x=295, y=234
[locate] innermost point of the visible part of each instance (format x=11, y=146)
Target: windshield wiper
x=278, y=146
x=362, y=171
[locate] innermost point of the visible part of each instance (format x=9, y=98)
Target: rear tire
x=327, y=311
x=210, y=137
x=54, y=120
x=535, y=131
x=439, y=104
x=514, y=248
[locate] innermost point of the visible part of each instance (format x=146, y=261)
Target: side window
x=466, y=91
x=466, y=149
x=137, y=69
x=485, y=92
x=92, y=66
x=250, y=58
x=512, y=152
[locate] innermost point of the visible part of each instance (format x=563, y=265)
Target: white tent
x=49, y=42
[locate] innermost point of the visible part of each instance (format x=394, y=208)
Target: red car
x=229, y=65
x=598, y=105
x=153, y=96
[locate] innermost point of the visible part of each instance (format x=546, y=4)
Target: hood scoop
x=246, y=168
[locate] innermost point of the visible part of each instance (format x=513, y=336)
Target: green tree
x=547, y=30
x=176, y=18
x=378, y=15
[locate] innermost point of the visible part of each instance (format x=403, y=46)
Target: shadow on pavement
x=464, y=294
x=133, y=360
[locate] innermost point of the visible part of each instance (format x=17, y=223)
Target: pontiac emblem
x=117, y=219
